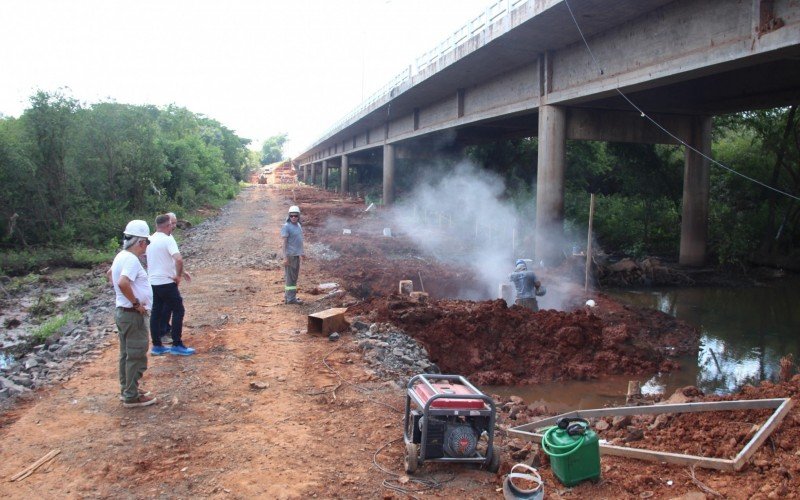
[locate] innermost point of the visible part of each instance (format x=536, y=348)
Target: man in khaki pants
x=134, y=298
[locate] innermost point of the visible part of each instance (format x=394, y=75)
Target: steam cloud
x=461, y=218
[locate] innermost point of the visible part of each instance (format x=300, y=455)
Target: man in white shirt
x=166, y=319
x=134, y=298
x=165, y=269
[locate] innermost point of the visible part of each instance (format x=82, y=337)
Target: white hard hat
x=294, y=209
x=137, y=228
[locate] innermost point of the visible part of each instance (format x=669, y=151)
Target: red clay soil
x=487, y=341
x=493, y=344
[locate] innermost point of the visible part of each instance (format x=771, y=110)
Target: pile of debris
x=390, y=353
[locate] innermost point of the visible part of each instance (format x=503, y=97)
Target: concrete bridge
x=521, y=69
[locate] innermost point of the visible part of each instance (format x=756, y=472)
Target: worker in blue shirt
x=527, y=285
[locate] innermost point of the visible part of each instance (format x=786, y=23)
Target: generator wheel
x=410, y=460
x=493, y=465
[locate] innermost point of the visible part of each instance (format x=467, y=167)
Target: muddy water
x=744, y=334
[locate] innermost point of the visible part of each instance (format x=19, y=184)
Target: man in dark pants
x=527, y=285
x=165, y=269
x=166, y=318
x=292, y=234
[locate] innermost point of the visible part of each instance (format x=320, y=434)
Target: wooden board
x=327, y=321
x=781, y=405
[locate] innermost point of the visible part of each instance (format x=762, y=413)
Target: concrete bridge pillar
x=388, y=174
x=313, y=173
x=344, y=171
x=552, y=161
x=324, y=174
x=694, y=219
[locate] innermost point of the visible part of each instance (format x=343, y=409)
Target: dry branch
x=19, y=476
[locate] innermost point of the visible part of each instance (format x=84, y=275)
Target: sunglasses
x=294, y=215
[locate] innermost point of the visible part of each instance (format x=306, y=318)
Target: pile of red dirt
x=493, y=344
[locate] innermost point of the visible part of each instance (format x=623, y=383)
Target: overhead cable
x=654, y=122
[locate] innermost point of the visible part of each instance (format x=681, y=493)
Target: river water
x=744, y=332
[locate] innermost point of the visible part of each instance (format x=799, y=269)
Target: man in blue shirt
x=292, y=234
x=527, y=285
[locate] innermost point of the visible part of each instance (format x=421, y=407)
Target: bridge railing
x=492, y=13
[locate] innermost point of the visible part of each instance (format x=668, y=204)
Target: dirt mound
x=494, y=344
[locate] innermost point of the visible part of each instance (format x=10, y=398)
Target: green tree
x=49, y=123
x=20, y=199
x=272, y=149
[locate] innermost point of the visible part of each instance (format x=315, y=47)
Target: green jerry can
x=574, y=451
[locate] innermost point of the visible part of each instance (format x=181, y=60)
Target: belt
x=128, y=309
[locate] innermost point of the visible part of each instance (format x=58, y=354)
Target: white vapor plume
x=462, y=218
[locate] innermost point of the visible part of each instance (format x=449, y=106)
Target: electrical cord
x=425, y=484
x=357, y=388
x=663, y=129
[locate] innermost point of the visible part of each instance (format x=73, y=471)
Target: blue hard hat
x=521, y=261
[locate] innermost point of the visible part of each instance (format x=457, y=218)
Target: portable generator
x=445, y=418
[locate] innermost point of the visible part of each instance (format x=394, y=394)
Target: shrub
x=52, y=325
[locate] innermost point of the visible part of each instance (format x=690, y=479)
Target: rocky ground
x=266, y=410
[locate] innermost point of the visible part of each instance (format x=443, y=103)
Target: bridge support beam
x=552, y=161
x=694, y=220
x=324, y=174
x=313, y=173
x=388, y=174
x=344, y=172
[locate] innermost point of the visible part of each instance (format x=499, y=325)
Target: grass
x=44, y=306
x=52, y=325
x=20, y=262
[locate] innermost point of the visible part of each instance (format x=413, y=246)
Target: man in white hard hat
x=527, y=285
x=165, y=269
x=292, y=234
x=134, y=298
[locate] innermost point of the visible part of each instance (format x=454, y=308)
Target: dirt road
x=211, y=434
x=265, y=410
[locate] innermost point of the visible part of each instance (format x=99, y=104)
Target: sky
x=259, y=67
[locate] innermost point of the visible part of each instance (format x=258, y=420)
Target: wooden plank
x=772, y=423
x=658, y=456
x=664, y=456
x=742, y=404
x=327, y=313
x=327, y=321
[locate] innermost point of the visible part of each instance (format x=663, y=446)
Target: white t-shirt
x=160, y=265
x=128, y=265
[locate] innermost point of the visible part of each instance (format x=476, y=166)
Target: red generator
x=445, y=418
